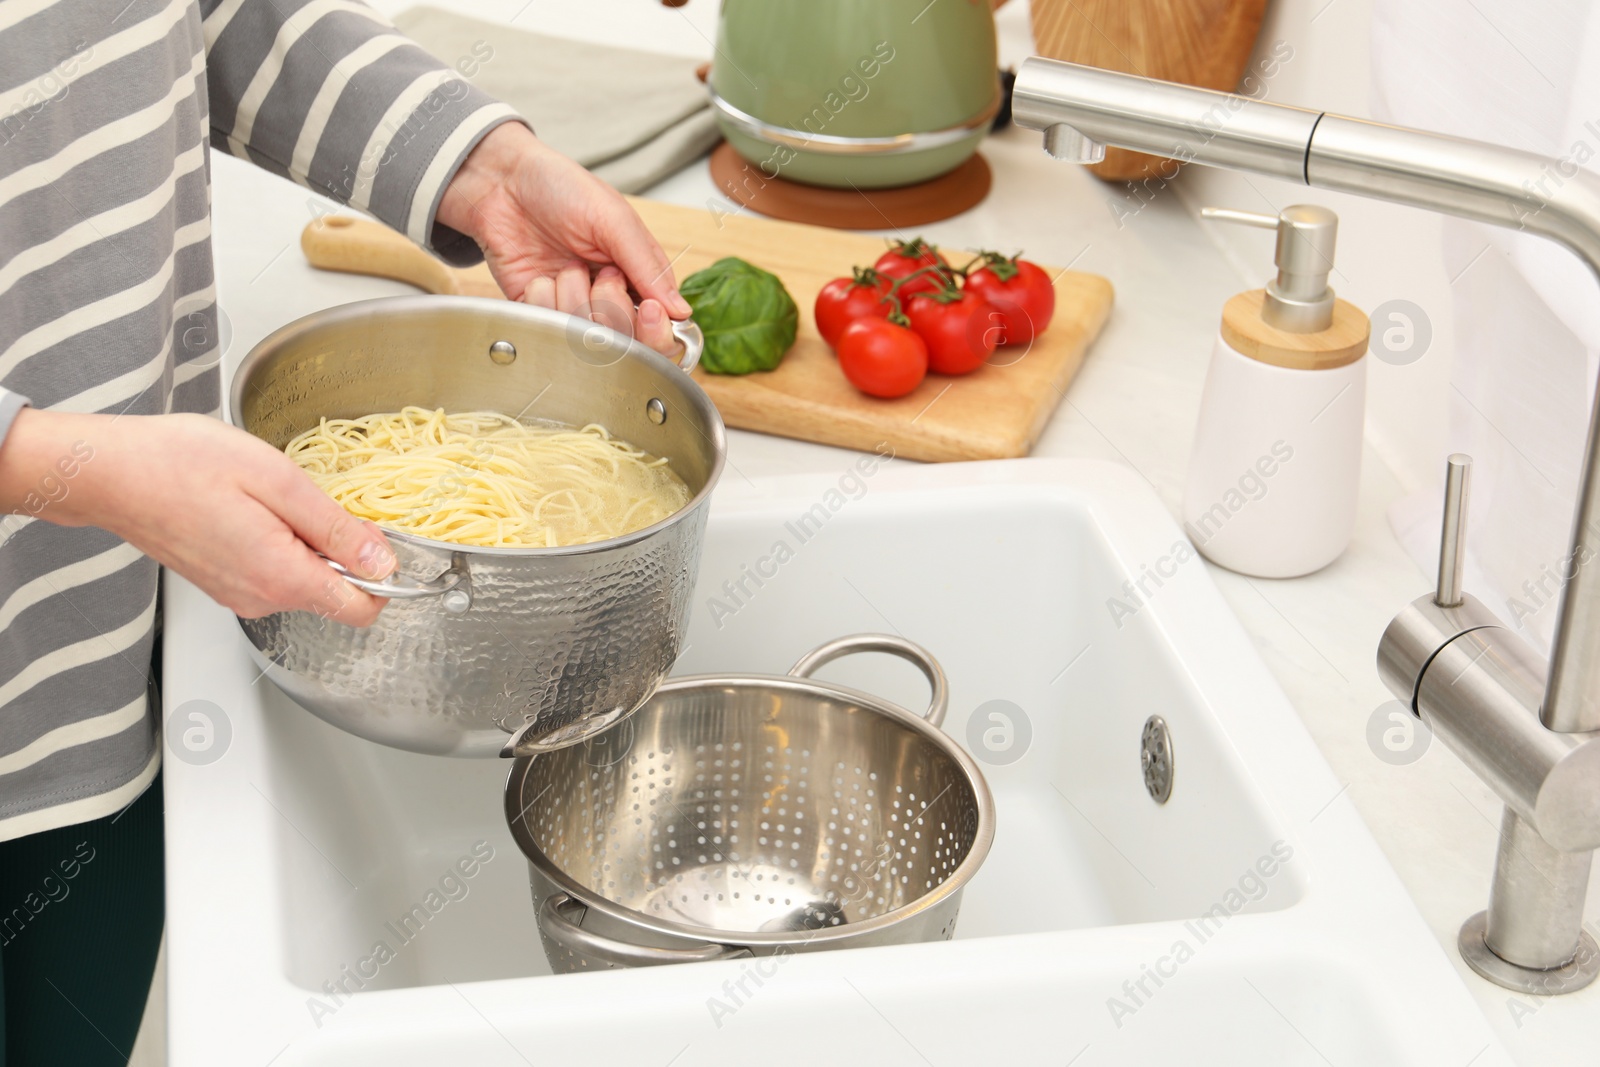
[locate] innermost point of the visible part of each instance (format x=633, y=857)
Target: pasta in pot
x=482, y=478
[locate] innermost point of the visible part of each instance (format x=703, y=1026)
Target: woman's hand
x=543, y=222
x=227, y=511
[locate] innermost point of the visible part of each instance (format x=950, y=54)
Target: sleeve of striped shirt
x=329, y=94
x=10, y=404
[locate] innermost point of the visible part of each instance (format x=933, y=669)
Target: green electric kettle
x=862, y=93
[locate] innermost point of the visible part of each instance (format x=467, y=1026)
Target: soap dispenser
x=1276, y=464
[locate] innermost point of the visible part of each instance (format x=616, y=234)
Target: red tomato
x=882, y=359
x=844, y=300
x=960, y=331
x=908, y=257
x=1020, y=292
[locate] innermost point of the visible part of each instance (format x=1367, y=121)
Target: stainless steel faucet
x=1526, y=727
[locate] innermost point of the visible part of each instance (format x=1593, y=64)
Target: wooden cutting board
x=996, y=412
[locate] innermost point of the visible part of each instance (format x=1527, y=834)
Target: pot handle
x=895, y=646
x=555, y=923
x=694, y=343
x=452, y=587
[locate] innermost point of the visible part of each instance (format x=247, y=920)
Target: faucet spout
x=1189, y=125
x=1066, y=144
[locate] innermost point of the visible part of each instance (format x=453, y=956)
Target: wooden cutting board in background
x=996, y=412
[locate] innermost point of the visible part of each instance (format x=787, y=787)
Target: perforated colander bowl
x=752, y=814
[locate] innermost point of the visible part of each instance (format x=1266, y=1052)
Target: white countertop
x=1135, y=401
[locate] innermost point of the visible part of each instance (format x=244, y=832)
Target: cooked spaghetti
x=482, y=478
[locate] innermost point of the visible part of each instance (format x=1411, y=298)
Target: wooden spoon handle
x=360, y=246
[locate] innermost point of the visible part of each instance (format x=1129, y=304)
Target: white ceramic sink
x=299, y=852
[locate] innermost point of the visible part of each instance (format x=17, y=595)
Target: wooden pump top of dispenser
x=1296, y=321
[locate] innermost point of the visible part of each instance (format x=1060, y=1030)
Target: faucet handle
x=1453, y=531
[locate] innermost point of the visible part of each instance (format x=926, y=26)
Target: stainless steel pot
x=480, y=644
x=752, y=815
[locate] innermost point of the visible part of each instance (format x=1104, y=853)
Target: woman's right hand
x=224, y=509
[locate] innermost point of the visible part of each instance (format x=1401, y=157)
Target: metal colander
x=752, y=814
x=480, y=646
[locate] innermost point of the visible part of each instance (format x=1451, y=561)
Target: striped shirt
x=108, y=109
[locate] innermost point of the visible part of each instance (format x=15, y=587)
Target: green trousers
x=80, y=922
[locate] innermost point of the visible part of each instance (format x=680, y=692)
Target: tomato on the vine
x=844, y=300
x=881, y=358
x=908, y=257
x=1020, y=291
x=959, y=327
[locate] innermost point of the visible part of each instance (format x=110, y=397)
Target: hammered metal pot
x=480, y=646
x=755, y=815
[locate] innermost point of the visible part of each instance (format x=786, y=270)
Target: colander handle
x=566, y=932
x=895, y=646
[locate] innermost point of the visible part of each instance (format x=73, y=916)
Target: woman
x=112, y=462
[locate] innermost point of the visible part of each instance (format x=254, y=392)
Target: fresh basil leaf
x=748, y=317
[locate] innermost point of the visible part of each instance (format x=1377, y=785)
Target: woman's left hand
x=544, y=224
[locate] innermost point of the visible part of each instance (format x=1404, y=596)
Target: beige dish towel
x=633, y=118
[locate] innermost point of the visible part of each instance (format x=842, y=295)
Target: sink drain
x=1155, y=758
